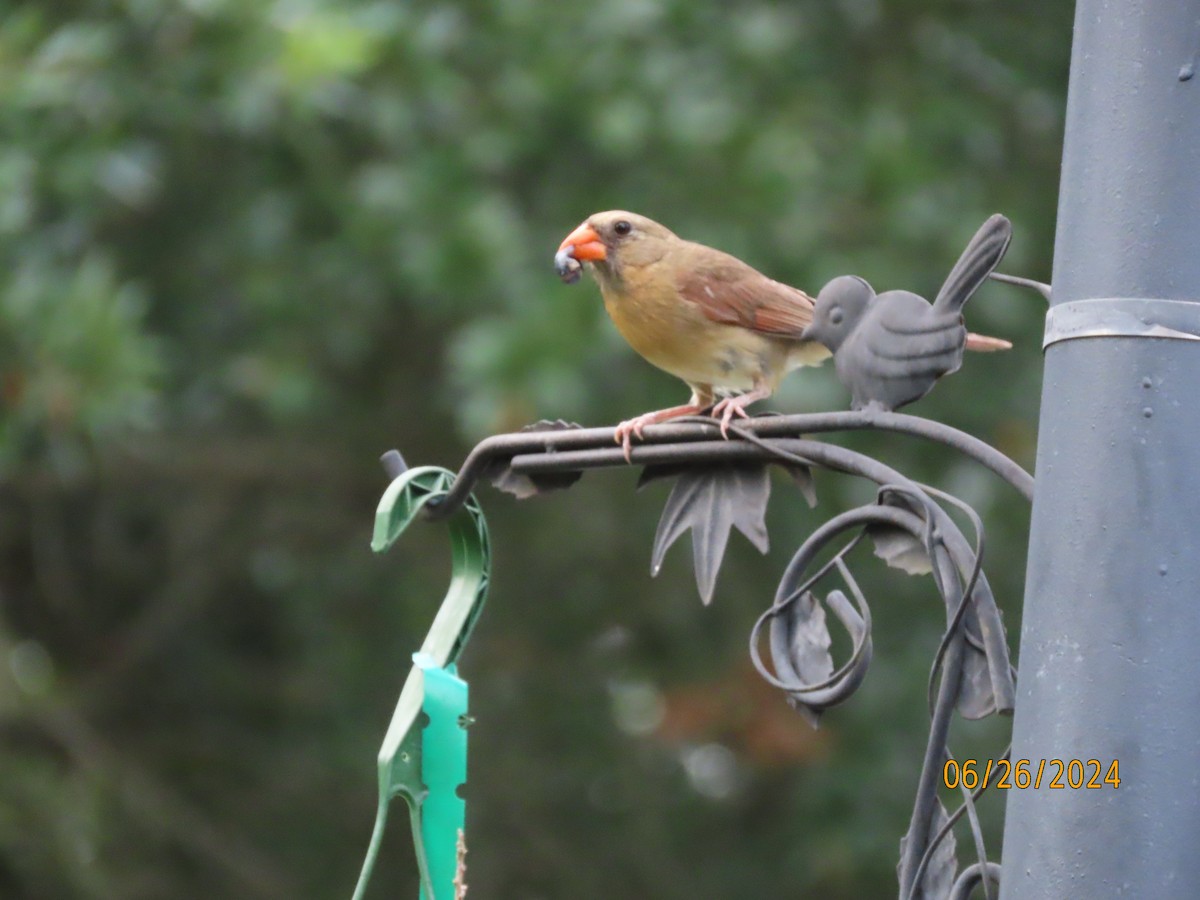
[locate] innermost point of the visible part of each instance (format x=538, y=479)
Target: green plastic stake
x=426, y=765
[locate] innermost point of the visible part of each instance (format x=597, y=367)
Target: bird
x=700, y=314
x=890, y=349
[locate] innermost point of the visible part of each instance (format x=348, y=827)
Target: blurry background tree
x=245, y=247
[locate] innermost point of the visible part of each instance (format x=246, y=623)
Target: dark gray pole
x=1110, y=649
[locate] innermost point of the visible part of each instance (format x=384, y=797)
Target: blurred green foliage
x=245, y=247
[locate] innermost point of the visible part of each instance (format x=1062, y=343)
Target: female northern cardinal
x=702, y=315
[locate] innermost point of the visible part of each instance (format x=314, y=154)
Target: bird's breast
x=675, y=336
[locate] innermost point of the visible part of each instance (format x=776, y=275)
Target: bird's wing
x=908, y=339
x=727, y=290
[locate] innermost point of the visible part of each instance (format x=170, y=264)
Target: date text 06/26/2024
x=1056, y=774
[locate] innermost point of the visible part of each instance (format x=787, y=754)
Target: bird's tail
x=982, y=254
x=981, y=343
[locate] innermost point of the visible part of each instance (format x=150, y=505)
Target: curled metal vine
x=723, y=484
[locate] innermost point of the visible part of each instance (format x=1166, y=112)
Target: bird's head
x=612, y=241
x=837, y=310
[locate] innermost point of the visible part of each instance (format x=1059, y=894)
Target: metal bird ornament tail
x=980, y=257
x=973, y=268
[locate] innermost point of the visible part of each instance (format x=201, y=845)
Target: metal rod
x=554, y=444
x=1109, y=662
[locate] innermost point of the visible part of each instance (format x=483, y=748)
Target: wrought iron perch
x=723, y=484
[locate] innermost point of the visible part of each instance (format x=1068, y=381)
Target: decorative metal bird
x=890, y=349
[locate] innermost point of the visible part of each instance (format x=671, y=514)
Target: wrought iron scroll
x=722, y=484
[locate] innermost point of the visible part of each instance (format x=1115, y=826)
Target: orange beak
x=584, y=244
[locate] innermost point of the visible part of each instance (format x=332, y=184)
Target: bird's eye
x=622, y=228
x=836, y=316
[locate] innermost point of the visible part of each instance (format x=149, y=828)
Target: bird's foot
x=630, y=428
x=730, y=407
x=625, y=432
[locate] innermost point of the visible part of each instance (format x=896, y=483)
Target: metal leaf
x=522, y=485
x=710, y=501
x=551, y=425
x=899, y=549
x=976, y=699
x=810, y=640
x=985, y=685
x=939, y=875
x=799, y=644
x=654, y=473
x=802, y=476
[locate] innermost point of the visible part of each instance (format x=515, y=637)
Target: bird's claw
x=726, y=410
x=623, y=432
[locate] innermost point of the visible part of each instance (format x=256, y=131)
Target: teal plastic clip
x=425, y=762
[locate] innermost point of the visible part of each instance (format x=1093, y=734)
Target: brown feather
x=728, y=291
